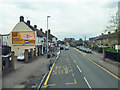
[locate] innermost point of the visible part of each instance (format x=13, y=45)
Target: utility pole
x=118, y=31
x=47, y=34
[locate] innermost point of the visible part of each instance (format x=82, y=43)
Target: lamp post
x=47, y=33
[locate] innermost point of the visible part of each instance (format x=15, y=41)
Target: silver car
x=21, y=57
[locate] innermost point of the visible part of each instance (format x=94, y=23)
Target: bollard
x=31, y=50
x=34, y=52
x=103, y=54
x=26, y=55
x=13, y=59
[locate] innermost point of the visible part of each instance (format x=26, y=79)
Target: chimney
x=21, y=19
x=28, y=22
x=41, y=29
x=49, y=31
x=108, y=32
x=35, y=26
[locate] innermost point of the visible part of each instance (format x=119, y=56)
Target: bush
x=100, y=49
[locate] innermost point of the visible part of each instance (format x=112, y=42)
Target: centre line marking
x=79, y=68
x=87, y=83
x=74, y=61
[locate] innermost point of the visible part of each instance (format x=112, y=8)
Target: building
x=25, y=36
x=109, y=40
x=25, y=28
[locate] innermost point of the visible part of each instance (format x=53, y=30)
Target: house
x=25, y=36
x=52, y=41
x=109, y=40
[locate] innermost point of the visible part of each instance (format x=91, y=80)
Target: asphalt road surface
x=73, y=70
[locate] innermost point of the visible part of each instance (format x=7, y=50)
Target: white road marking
x=101, y=61
x=74, y=61
x=87, y=83
x=79, y=68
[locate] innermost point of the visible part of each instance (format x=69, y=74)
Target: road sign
x=117, y=47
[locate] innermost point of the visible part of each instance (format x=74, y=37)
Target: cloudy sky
x=69, y=18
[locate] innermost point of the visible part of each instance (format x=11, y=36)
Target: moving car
x=21, y=57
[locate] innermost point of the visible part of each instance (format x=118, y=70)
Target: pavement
x=26, y=75
x=110, y=65
x=0, y=82
x=75, y=69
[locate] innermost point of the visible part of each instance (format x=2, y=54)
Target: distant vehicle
x=66, y=48
x=77, y=47
x=21, y=57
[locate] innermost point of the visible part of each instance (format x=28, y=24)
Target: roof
x=39, y=32
x=51, y=36
x=105, y=36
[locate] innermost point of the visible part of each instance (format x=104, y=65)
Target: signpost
x=117, y=47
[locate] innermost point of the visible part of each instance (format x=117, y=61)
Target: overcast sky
x=69, y=18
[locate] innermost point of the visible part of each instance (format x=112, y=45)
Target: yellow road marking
x=80, y=51
x=69, y=83
x=59, y=67
x=48, y=75
x=59, y=71
x=49, y=85
x=75, y=81
x=105, y=70
x=72, y=83
x=70, y=70
x=56, y=67
x=54, y=72
x=72, y=74
x=62, y=71
x=100, y=66
x=66, y=71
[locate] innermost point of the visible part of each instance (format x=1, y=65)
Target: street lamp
x=47, y=33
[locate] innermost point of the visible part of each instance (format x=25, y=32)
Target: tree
x=113, y=23
x=80, y=39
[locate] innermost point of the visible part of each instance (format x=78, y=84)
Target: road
x=74, y=70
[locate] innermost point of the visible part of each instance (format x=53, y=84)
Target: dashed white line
x=79, y=68
x=74, y=61
x=87, y=83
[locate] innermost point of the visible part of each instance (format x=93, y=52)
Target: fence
x=112, y=56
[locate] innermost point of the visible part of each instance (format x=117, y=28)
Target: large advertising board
x=23, y=38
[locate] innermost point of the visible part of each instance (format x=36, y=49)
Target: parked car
x=66, y=48
x=85, y=49
x=77, y=47
x=21, y=57
x=61, y=47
